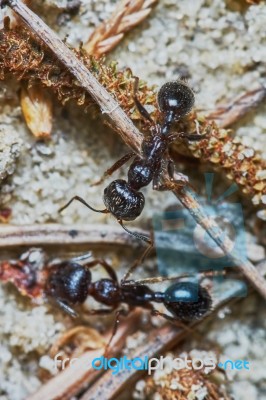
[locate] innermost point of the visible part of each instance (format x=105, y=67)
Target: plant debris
x=127, y=15
x=242, y=164
x=36, y=105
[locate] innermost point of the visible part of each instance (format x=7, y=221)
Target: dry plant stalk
x=241, y=164
x=126, y=16
x=129, y=132
x=227, y=114
x=36, y=106
x=75, y=341
x=22, y=55
x=93, y=235
x=72, y=380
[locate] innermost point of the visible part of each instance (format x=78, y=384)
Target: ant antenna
x=137, y=235
x=81, y=200
x=124, y=280
x=141, y=109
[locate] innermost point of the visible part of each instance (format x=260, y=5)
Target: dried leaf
x=36, y=106
x=126, y=16
x=76, y=341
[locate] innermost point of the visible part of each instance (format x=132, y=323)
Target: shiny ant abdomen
x=123, y=199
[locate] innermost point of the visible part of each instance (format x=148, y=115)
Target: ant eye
x=177, y=98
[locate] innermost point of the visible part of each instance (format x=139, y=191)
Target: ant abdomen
x=122, y=201
x=176, y=98
x=69, y=283
x=139, y=174
x=187, y=301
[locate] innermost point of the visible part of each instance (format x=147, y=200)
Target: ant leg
x=100, y=311
x=116, y=323
x=171, y=173
x=105, y=211
x=180, y=183
x=188, y=136
x=141, y=109
x=173, y=321
x=109, y=270
x=171, y=169
x=114, y=167
x=135, y=234
x=157, y=185
x=65, y=307
x=199, y=276
x=124, y=281
x=82, y=257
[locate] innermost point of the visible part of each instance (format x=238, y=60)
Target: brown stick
x=107, y=103
x=231, y=113
x=71, y=380
x=56, y=234
x=128, y=132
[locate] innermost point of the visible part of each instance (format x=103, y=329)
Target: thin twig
x=87, y=81
x=231, y=113
x=56, y=234
x=129, y=133
x=72, y=380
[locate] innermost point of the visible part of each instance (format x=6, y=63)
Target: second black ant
x=69, y=283
x=122, y=198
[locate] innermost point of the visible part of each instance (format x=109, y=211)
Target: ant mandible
x=123, y=199
x=69, y=283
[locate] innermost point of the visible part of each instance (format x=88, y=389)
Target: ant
x=123, y=199
x=69, y=283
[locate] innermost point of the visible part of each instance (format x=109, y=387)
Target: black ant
x=123, y=199
x=69, y=283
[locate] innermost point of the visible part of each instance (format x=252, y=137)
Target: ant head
x=187, y=301
x=176, y=98
x=69, y=282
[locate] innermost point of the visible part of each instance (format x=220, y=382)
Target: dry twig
x=72, y=380
x=127, y=15
x=65, y=235
x=130, y=134
x=228, y=114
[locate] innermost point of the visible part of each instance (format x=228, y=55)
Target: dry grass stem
x=71, y=381
x=65, y=235
x=226, y=115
